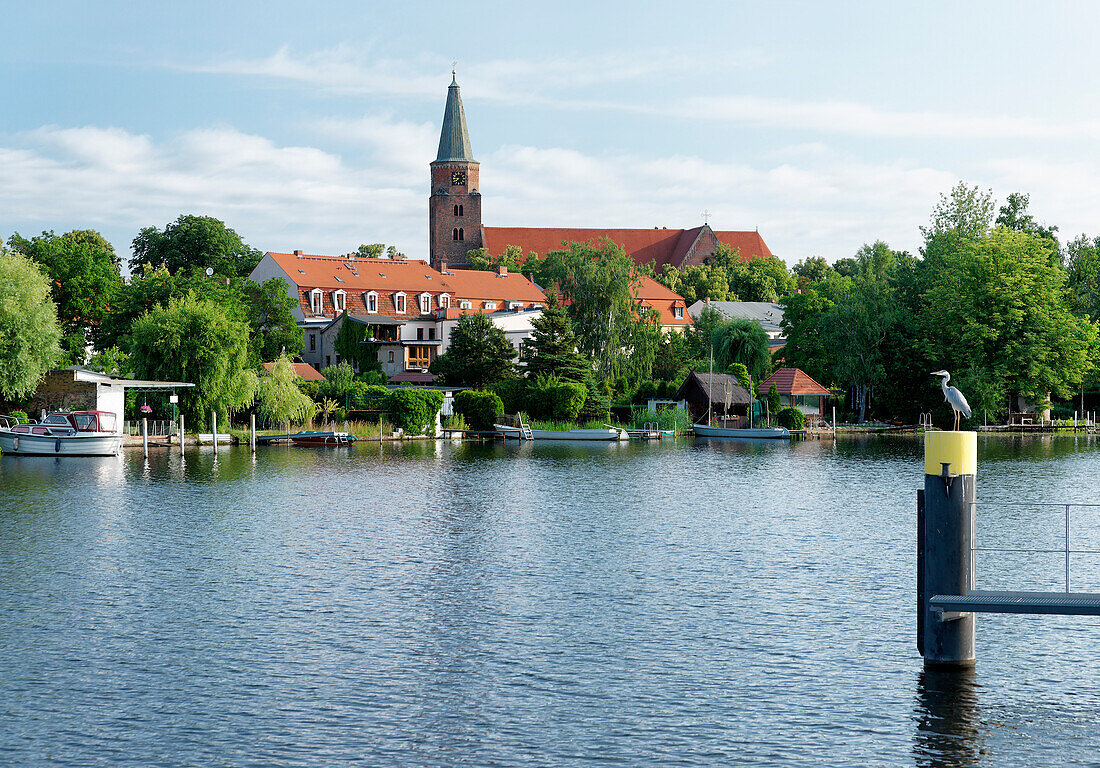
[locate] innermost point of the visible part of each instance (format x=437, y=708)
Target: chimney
x=298, y=254
x=502, y=271
x=708, y=301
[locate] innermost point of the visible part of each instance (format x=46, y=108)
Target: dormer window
x=316, y=302
x=340, y=300
x=464, y=304
x=515, y=305
x=425, y=303
x=399, y=303
x=372, y=303
x=444, y=301
x=490, y=305
x=678, y=312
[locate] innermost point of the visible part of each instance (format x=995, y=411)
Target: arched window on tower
x=460, y=233
x=454, y=233
x=458, y=210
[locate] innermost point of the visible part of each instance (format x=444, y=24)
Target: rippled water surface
x=686, y=604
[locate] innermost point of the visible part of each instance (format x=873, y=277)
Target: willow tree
x=278, y=396
x=197, y=341
x=29, y=332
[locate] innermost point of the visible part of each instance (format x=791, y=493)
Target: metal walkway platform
x=1064, y=603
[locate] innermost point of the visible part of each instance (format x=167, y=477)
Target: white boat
x=64, y=433
x=758, y=433
x=607, y=434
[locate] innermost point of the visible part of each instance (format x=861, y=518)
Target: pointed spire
x=454, y=139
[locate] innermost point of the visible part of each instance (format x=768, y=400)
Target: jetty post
x=252, y=432
x=145, y=436
x=181, y=434
x=945, y=559
x=214, y=428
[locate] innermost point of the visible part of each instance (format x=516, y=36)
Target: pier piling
x=252, y=432
x=214, y=429
x=145, y=436
x=945, y=562
x=181, y=434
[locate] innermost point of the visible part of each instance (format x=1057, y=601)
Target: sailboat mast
x=710, y=383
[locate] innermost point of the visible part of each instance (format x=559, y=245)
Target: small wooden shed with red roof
x=797, y=388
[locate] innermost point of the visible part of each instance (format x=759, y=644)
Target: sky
x=311, y=125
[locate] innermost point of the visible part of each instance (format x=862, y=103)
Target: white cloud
x=805, y=200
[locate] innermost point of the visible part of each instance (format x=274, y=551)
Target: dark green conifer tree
x=552, y=349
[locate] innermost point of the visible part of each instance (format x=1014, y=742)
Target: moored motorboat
x=310, y=437
x=63, y=433
x=746, y=433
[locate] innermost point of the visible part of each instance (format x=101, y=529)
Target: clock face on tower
x=458, y=178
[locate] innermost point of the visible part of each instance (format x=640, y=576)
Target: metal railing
x=157, y=428
x=1067, y=550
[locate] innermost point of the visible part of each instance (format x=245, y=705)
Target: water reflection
x=949, y=730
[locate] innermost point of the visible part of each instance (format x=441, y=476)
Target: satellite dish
x=209, y=271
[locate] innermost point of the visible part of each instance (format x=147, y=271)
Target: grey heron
x=953, y=397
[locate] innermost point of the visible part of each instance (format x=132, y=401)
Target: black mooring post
x=944, y=548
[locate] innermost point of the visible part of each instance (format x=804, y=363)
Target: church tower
x=454, y=208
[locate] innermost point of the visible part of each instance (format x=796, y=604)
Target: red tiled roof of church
x=661, y=246
x=793, y=381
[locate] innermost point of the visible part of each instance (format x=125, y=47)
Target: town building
x=669, y=305
x=407, y=308
x=455, y=216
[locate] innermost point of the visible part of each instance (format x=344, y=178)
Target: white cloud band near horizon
x=811, y=200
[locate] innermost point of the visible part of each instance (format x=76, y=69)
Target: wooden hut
x=728, y=402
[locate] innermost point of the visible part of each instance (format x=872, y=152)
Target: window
x=425, y=303
x=315, y=301
x=458, y=210
x=463, y=304
x=372, y=303
x=399, y=302
x=340, y=300
x=420, y=334
x=420, y=356
x=490, y=305
x=444, y=301
x=338, y=278
x=431, y=334
x=328, y=361
x=391, y=356
x=677, y=312
x=515, y=305
x=456, y=233
x=313, y=342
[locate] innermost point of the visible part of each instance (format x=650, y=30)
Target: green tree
x=196, y=340
x=742, y=341
x=479, y=354
x=1014, y=215
x=596, y=279
x=29, y=332
x=378, y=251
x=996, y=316
x=552, y=348
x=85, y=279
x=1082, y=259
x=269, y=310
x=965, y=211
x=194, y=244
x=812, y=269
x=278, y=397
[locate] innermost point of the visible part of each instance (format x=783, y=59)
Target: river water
x=684, y=604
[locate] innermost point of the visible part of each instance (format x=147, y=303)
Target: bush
x=791, y=418
x=480, y=409
x=513, y=393
x=338, y=381
x=368, y=397
x=414, y=410
x=20, y=416
x=565, y=400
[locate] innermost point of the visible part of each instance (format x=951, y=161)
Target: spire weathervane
x=706, y=215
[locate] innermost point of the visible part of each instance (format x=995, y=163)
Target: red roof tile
x=793, y=381
x=303, y=371
x=662, y=246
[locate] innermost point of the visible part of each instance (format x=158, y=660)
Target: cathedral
x=455, y=226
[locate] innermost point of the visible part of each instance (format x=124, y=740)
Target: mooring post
x=214, y=429
x=145, y=436
x=945, y=558
x=252, y=431
x=181, y=434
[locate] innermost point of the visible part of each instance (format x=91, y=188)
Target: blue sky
x=311, y=125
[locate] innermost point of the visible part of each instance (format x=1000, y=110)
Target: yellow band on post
x=959, y=448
